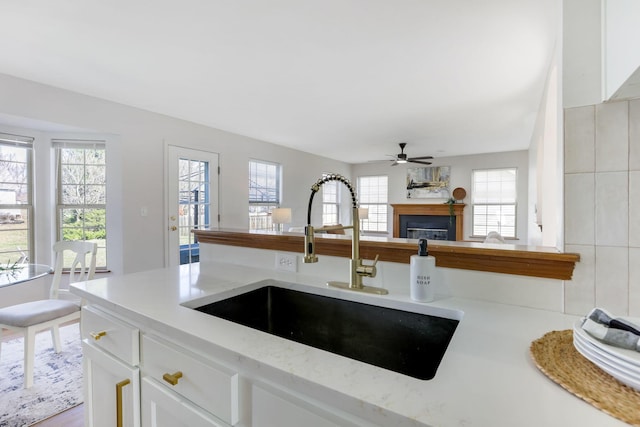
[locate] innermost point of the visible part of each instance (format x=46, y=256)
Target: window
x=330, y=202
x=81, y=194
x=494, y=201
x=372, y=191
x=16, y=199
x=264, y=193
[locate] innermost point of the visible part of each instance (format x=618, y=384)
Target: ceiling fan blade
x=394, y=163
x=419, y=161
x=421, y=158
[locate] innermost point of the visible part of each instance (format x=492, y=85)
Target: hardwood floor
x=73, y=417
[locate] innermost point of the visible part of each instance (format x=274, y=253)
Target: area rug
x=57, y=378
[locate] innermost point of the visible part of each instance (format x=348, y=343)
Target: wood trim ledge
x=510, y=259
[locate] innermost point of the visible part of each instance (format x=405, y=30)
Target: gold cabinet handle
x=172, y=378
x=173, y=228
x=97, y=335
x=119, y=387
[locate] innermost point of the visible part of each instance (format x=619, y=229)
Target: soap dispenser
x=422, y=271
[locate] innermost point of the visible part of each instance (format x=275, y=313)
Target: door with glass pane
x=193, y=201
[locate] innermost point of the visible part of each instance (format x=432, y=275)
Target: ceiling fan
x=403, y=158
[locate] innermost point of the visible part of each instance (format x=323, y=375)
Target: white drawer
x=111, y=334
x=164, y=408
x=207, y=384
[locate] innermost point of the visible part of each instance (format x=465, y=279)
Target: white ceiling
x=344, y=79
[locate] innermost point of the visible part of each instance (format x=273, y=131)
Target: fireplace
x=432, y=227
x=431, y=221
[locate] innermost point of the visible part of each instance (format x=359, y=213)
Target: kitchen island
x=486, y=378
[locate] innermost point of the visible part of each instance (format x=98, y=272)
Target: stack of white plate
x=620, y=363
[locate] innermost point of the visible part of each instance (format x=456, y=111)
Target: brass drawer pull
x=172, y=378
x=119, y=386
x=97, y=335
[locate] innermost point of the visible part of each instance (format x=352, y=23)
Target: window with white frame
x=373, y=195
x=82, y=194
x=330, y=202
x=16, y=199
x=265, y=183
x=494, y=201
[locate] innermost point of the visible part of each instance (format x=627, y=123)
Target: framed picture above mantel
x=428, y=183
x=413, y=220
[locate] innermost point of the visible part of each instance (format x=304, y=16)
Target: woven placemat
x=557, y=358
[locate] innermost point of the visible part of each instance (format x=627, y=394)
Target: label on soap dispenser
x=422, y=269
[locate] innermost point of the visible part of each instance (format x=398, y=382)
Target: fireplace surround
x=435, y=217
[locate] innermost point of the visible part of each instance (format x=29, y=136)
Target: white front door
x=192, y=200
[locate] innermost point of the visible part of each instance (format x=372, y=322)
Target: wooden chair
x=32, y=317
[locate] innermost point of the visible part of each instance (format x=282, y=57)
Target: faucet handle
x=368, y=270
x=375, y=260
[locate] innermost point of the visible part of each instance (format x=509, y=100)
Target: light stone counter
x=486, y=378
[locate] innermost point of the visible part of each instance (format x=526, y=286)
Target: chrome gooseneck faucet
x=357, y=267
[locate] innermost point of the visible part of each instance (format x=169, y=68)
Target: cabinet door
x=111, y=390
x=276, y=408
x=164, y=408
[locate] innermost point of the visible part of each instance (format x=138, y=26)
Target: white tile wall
x=634, y=135
x=580, y=292
x=608, y=274
x=612, y=208
x=580, y=139
x=634, y=282
x=579, y=193
x=612, y=278
x=612, y=137
x=634, y=209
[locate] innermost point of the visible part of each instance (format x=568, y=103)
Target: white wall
x=461, y=169
x=582, y=52
x=621, y=57
x=135, y=156
x=545, y=294
x=546, y=169
x=599, y=50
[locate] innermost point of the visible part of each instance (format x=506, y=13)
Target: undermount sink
x=407, y=338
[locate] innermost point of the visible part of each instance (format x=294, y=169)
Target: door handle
x=119, y=387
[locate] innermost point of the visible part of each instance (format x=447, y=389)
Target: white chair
x=494, y=237
x=35, y=316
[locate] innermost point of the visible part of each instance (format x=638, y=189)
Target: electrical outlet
x=286, y=262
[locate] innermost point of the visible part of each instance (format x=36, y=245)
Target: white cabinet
x=136, y=376
x=163, y=408
x=111, y=378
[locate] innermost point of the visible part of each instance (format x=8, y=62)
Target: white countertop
x=487, y=377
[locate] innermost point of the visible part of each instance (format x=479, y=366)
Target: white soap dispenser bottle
x=421, y=271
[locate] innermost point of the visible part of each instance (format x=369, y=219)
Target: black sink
x=409, y=343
